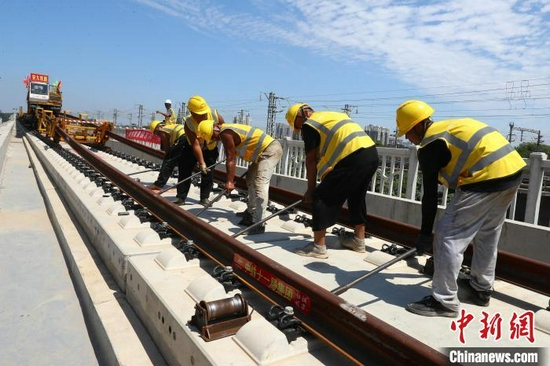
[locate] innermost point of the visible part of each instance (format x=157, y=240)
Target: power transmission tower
x=140, y=115
x=536, y=132
x=510, y=134
x=181, y=114
x=349, y=108
x=271, y=113
x=115, y=115
x=130, y=118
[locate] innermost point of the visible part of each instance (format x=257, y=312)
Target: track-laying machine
x=44, y=113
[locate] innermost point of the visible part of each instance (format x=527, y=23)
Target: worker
x=173, y=138
x=205, y=154
x=255, y=146
x=344, y=158
x=484, y=170
x=170, y=115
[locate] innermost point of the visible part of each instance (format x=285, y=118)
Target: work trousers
x=258, y=178
x=188, y=163
x=171, y=160
x=471, y=216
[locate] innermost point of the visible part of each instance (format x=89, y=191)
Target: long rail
x=513, y=268
x=346, y=327
x=360, y=336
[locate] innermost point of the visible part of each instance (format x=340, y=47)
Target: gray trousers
x=258, y=178
x=471, y=216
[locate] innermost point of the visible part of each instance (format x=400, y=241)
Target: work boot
x=179, y=201
x=349, y=241
x=246, y=218
x=478, y=297
x=313, y=250
x=429, y=306
x=260, y=229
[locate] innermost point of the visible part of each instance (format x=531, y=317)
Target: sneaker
x=480, y=298
x=429, y=306
x=313, y=250
x=204, y=201
x=353, y=243
x=260, y=229
x=179, y=201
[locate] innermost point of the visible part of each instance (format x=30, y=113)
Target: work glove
x=204, y=169
x=424, y=244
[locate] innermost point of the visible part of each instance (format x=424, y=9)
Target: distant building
x=243, y=119
x=283, y=131
x=380, y=135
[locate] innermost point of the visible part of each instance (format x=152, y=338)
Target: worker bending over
x=173, y=139
x=206, y=154
x=170, y=115
x=258, y=148
x=484, y=170
x=344, y=158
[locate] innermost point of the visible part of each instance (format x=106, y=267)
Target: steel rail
x=513, y=268
x=363, y=337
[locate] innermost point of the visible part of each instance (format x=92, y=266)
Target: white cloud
x=425, y=44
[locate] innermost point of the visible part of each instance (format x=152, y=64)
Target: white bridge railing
x=398, y=176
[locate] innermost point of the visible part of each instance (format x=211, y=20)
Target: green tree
x=526, y=148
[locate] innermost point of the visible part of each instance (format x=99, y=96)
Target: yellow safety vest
x=340, y=136
x=175, y=131
x=478, y=152
x=172, y=119
x=253, y=140
x=194, y=126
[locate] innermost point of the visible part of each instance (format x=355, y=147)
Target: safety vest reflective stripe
x=466, y=146
x=193, y=126
x=461, y=169
x=253, y=140
x=349, y=143
x=175, y=131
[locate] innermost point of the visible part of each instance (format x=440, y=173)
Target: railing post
x=412, y=173
x=284, y=159
x=534, y=191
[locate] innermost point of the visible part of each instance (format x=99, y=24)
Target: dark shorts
x=349, y=181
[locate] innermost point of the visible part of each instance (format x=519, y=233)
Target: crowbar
x=143, y=171
x=344, y=288
x=267, y=218
x=211, y=202
x=189, y=177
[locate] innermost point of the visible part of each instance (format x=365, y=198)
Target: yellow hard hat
x=198, y=105
x=410, y=113
x=153, y=126
x=205, y=130
x=292, y=112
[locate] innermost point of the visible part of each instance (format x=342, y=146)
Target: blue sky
x=488, y=60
